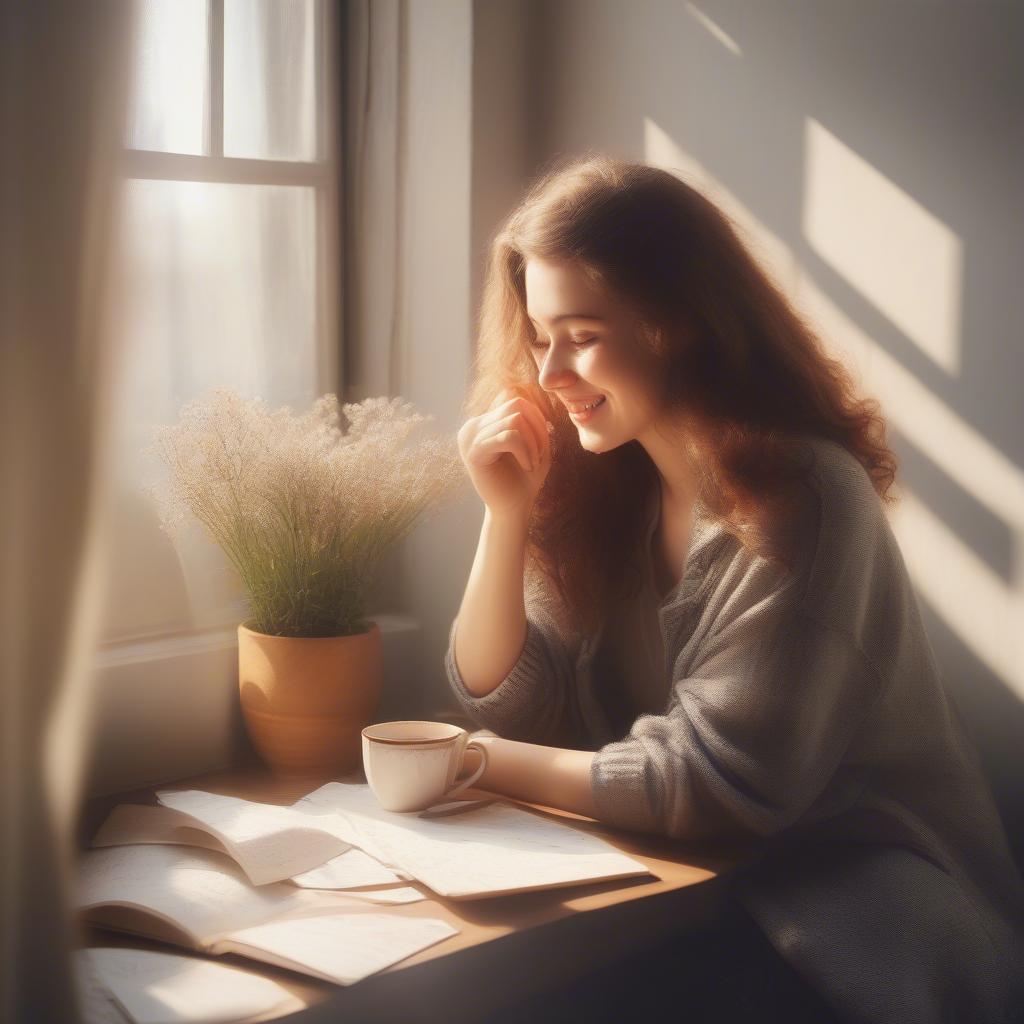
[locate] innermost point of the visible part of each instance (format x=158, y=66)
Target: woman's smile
x=585, y=415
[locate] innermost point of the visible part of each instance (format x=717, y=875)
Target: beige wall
x=434, y=327
x=871, y=154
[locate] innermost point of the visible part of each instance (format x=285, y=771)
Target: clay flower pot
x=306, y=700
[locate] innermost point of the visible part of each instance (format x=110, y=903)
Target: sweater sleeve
x=754, y=730
x=536, y=702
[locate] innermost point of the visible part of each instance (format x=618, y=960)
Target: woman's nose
x=553, y=372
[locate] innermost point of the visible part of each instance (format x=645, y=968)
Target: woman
x=718, y=637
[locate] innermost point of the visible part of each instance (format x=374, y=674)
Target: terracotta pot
x=306, y=700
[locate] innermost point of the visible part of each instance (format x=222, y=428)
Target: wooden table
x=508, y=948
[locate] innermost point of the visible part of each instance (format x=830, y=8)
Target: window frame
x=191, y=672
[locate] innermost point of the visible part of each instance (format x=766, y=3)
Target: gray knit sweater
x=805, y=711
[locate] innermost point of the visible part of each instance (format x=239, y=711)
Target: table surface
x=507, y=947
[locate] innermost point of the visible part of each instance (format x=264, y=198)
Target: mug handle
x=466, y=783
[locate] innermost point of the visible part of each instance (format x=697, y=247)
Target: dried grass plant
x=304, y=510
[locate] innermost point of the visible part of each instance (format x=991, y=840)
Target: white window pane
x=270, y=100
x=169, y=99
x=217, y=288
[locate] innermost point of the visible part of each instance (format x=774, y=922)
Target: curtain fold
x=373, y=185
x=64, y=75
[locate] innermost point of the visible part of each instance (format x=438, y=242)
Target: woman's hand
x=507, y=452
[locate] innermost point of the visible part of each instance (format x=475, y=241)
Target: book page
x=342, y=948
x=148, y=823
x=497, y=848
x=164, y=988
x=270, y=843
x=203, y=892
x=96, y=1004
x=349, y=870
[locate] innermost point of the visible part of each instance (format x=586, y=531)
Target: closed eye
x=579, y=343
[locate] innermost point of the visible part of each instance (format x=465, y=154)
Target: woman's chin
x=595, y=442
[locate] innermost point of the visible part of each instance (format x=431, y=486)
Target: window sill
x=167, y=708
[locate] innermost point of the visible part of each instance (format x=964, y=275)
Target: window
x=226, y=267
x=225, y=274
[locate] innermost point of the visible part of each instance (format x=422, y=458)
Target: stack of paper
x=292, y=886
x=268, y=842
x=201, y=900
x=496, y=849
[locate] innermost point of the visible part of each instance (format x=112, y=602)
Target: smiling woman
x=688, y=614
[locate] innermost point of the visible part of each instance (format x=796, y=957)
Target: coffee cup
x=412, y=765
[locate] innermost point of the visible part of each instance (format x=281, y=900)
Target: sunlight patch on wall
x=945, y=569
x=714, y=29
x=902, y=258
x=661, y=150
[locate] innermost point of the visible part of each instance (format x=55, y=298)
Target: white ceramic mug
x=412, y=765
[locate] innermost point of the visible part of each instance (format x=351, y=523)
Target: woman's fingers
x=540, y=426
x=508, y=440
x=507, y=402
x=519, y=424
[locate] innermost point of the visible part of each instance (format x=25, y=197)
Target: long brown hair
x=742, y=370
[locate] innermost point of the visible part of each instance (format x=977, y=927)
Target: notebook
x=201, y=900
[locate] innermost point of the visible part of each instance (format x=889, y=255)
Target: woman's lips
x=584, y=416
x=577, y=404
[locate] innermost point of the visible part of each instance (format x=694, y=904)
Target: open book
x=496, y=849
x=200, y=899
x=150, y=986
x=269, y=843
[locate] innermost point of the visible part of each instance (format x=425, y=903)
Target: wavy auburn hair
x=741, y=370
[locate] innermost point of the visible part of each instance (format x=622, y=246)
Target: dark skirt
x=727, y=972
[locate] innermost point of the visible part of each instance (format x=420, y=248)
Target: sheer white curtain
x=63, y=71
x=375, y=173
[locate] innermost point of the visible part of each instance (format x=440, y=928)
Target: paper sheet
x=345, y=828
x=400, y=894
x=96, y=1003
x=346, y=871
x=345, y=947
x=493, y=849
x=163, y=988
x=270, y=843
x=204, y=892
x=146, y=823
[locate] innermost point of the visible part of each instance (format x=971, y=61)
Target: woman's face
x=587, y=347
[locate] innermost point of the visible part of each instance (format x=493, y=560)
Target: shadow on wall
x=994, y=717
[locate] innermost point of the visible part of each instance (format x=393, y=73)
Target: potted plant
x=305, y=511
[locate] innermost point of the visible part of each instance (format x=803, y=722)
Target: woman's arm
x=541, y=775
x=754, y=735
x=491, y=623
x=525, y=681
